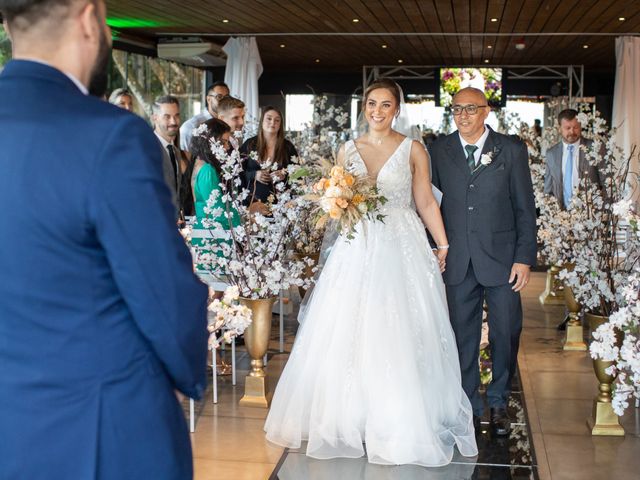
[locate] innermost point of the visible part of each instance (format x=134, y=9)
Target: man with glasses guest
x=215, y=93
x=490, y=219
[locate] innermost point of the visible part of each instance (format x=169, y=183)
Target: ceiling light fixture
x=384, y=45
x=520, y=45
x=317, y=60
x=282, y=45
x=225, y=20
x=585, y=46
x=622, y=19
x=400, y=60
x=494, y=20
x=486, y=60
x=355, y=20
x=489, y=47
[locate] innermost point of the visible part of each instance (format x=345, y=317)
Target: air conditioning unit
x=196, y=54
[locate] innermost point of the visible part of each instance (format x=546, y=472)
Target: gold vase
x=603, y=421
x=574, y=340
x=308, y=269
x=554, y=291
x=256, y=340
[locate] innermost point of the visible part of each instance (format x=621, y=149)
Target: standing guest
x=231, y=110
x=121, y=97
x=272, y=149
x=207, y=171
x=490, y=219
x=166, y=121
x=537, y=127
x=205, y=179
x=215, y=93
x=101, y=316
x=566, y=161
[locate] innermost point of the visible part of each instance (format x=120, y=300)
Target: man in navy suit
x=101, y=316
x=490, y=218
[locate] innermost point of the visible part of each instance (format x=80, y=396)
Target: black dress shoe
x=500, y=422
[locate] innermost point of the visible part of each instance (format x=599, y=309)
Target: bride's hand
x=441, y=253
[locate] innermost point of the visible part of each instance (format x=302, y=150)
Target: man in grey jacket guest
x=566, y=161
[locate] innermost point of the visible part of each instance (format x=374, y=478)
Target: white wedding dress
x=375, y=359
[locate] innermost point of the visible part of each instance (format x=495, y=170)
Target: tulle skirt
x=374, y=369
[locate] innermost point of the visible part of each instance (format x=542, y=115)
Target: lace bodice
x=394, y=179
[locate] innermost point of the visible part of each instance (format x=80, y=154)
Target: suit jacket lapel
x=492, y=144
x=456, y=153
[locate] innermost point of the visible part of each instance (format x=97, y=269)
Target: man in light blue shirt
x=215, y=93
x=566, y=162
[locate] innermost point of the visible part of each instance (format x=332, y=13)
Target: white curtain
x=244, y=67
x=626, y=99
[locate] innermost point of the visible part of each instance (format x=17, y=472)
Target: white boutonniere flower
x=486, y=158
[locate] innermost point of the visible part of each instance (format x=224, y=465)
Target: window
x=299, y=111
x=147, y=78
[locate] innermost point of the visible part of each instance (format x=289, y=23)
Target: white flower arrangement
x=227, y=319
x=618, y=340
x=255, y=255
x=600, y=267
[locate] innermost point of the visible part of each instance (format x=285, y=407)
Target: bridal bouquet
x=227, y=317
x=344, y=197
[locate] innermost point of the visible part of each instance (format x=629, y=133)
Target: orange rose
x=335, y=213
x=349, y=180
x=342, y=203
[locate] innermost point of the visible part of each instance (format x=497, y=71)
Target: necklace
x=378, y=140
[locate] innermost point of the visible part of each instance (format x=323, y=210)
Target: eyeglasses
x=470, y=109
x=217, y=96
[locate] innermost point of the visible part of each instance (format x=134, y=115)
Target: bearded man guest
x=101, y=316
x=490, y=219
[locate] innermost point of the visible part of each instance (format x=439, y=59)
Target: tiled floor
x=557, y=388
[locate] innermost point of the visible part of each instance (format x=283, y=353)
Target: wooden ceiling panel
x=324, y=30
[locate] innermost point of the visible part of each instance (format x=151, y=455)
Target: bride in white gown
x=375, y=359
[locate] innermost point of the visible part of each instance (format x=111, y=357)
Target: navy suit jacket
x=101, y=316
x=489, y=215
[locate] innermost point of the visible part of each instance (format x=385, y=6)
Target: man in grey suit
x=490, y=219
x=566, y=163
x=166, y=123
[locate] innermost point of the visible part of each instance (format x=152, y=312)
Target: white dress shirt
x=187, y=128
x=575, y=179
x=479, y=144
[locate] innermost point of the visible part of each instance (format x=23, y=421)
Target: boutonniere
x=487, y=158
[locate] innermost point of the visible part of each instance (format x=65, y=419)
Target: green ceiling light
x=129, y=22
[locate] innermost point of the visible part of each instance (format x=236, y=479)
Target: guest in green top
x=207, y=173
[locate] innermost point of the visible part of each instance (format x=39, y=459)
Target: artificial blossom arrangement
x=618, y=340
x=599, y=264
x=255, y=255
x=227, y=318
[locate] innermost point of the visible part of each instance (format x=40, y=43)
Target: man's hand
x=521, y=272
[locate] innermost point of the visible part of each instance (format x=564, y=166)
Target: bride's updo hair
x=383, y=83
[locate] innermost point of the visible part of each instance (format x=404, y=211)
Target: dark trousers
x=505, y=324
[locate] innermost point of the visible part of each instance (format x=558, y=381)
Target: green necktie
x=471, y=159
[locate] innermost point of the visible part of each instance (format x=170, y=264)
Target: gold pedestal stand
x=554, y=291
x=256, y=339
x=603, y=421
